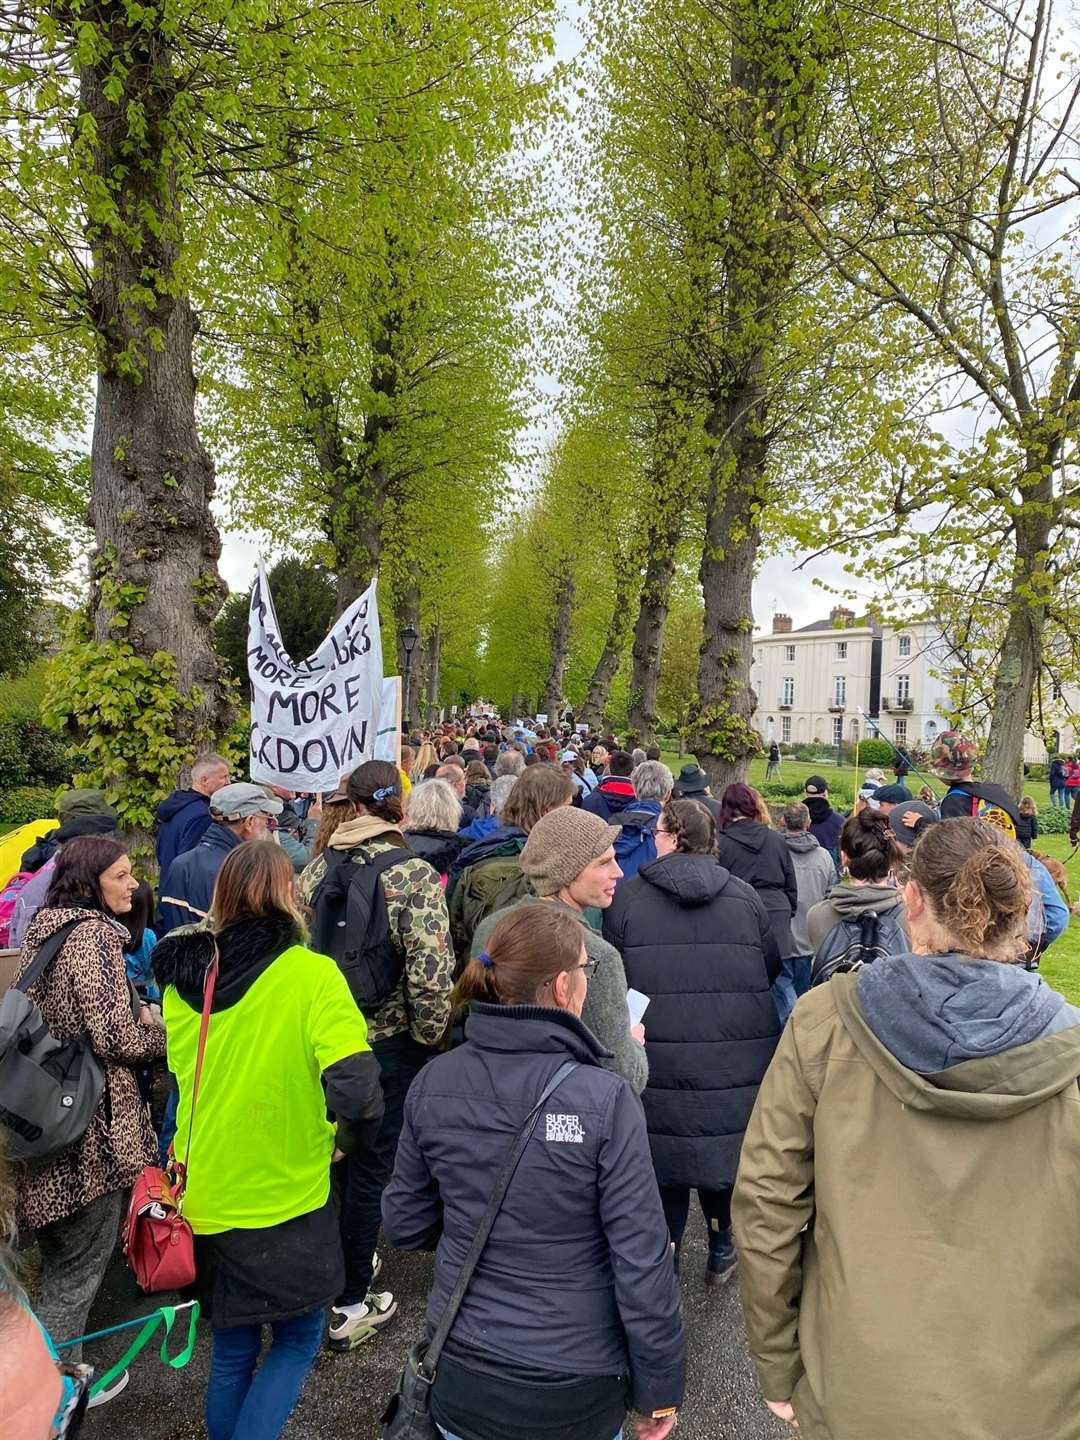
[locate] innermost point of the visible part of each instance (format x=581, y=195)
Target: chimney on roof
x=781, y=624
x=841, y=616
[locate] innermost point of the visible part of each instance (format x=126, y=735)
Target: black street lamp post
x=409, y=636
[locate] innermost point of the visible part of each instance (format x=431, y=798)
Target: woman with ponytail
x=572, y=1315
x=403, y=1029
x=908, y=1180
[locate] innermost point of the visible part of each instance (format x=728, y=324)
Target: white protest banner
x=388, y=738
x=313, y=721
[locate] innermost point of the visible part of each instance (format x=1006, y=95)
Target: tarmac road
x=345, y=1394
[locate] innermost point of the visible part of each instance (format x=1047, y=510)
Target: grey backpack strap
x=47, y=952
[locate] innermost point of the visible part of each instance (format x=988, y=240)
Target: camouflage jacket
x=416, y=908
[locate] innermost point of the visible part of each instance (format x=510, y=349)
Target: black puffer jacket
x=760, y=856
x=581, y=1234
x=440, y=848
x=698, y=942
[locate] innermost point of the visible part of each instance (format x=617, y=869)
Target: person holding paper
x=696, y=940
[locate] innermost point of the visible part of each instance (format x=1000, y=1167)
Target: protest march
x=503, y=990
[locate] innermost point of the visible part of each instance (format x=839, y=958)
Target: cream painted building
x=812, y=684
x=820, y=683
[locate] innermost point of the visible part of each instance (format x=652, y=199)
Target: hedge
x=25, y=803
x=32, y=756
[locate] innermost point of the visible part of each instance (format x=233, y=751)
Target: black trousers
x=716, y=1205
x=367, y=1172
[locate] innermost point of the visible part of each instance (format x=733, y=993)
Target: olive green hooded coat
x=910, y=1243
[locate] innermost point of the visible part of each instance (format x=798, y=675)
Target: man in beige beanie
x=569, y=861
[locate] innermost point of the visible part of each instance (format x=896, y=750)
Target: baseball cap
x=568, y=755
x=237, y=802
x=910, y=820
x=816, y=785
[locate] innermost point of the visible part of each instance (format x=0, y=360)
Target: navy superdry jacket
x=581, y=1233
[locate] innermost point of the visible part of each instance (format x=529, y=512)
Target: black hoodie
x=698, y=942
x=760, y=856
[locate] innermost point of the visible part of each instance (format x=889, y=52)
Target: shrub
x=1037, y=772
x=14, y=770
x=875, y=752
x=25, y=803
x=1053, y=820
x=32, y=755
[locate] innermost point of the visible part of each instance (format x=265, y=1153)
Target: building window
x=838, y=730
x=839, y=690
x=789, y=654
x=854, y=732
x=785, y=729
x=904, y=646
x=903, y=687
x=901, y=732
x=841, y=649
x=787, y=696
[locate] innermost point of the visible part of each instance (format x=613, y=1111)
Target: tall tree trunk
x=1020, y=659
x=155, y=567
x=592, y=712
x=664, y=533
x=722, y=736
x=410, y=666
x=433, y=667
x=552, y=699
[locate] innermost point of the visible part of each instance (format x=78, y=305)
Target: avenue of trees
x=811, y=282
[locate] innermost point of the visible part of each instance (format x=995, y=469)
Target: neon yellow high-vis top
x=262, y=1145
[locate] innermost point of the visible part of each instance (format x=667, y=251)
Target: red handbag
x=158, y=1241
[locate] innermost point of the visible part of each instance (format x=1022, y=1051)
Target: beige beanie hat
x=561, y=844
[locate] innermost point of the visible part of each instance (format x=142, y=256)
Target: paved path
x=345, y=1393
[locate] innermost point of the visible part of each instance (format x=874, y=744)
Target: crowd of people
x=343, y=1012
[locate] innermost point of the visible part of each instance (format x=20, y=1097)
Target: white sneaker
x=351, y=1325
x=110, y=1392
x=376, y=1266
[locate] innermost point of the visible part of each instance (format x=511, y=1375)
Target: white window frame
x=789, y=654
x=838, y=730
x=841, y=649
x=901, y=732
x=787, y=690
x=903, y=647
x=903, y=687
x=785, y=729
x=839, y=690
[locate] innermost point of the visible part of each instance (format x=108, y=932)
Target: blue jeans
x=793, y=981
x=248, y=1403
x=1057, y=797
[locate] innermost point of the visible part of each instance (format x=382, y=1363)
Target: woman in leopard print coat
x=74, y=1201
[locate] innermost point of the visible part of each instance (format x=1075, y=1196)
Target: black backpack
x=851, y=944
x=49, y=1088
x=352, y=924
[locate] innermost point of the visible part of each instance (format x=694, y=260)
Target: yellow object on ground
x=14, y=846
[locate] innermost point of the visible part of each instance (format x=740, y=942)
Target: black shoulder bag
x=408, y=1415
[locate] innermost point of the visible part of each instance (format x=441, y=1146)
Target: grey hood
x=936, y=1011
x=851, y=901
x=801, y=842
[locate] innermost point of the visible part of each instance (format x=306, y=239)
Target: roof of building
x=863, y=622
